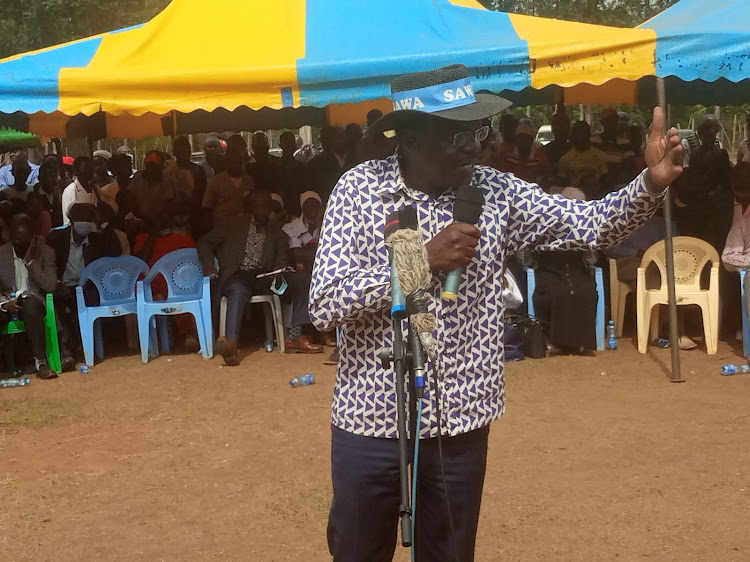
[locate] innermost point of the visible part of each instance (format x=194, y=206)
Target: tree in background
x=34, y=24
x=621, y=13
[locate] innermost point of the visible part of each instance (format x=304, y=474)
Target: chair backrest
x=183, y=272
x=114, y=278
x=690, y=257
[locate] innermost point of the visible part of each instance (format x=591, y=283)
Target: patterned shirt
x=351, y=287
x=253, y=248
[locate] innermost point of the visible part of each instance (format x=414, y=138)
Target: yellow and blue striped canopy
x=255, y=54
x=316, y=53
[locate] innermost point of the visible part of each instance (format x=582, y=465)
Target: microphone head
x=408, y=218
x=392, y=224
x=468, y=205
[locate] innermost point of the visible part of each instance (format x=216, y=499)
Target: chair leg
x=146, y=338
x=619, y=313
x=643, y=314
x=745, y=328
x=52, y=343
x=268, y=318
x=654, y=331
x=98, y=339
x=202, y=335
x=279, y=322
x=87, y=339
x=223, y=317
x=709, y=329
x=208, y=328
x=162, y=325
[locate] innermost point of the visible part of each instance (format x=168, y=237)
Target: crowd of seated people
x=247, y=212
x=602, y=162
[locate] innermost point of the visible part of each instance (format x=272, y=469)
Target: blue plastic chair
x=745, y=323
x=189, y=292
x=115, y=279
x=599, y=278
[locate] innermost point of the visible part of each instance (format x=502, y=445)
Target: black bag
x=513, y=342
x=534, y=340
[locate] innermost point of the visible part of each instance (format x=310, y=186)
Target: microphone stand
x=399, y=357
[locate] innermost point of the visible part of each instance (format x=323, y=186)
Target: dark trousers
x=66, y=312
x=363, y=521
x=32, y=313
x=243, y=285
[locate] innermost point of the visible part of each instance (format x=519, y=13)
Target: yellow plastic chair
x=690, y=257
x=618, y=292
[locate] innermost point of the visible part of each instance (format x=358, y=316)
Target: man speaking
x=438, y=126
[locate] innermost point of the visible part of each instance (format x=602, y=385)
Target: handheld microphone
x=398, y=302
x=468, y=209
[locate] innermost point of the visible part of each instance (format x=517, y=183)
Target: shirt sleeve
x=66, y=200
x=342, y=290
x=733, y=256
x=552, y=222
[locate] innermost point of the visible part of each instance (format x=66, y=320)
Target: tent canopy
x=284, y=55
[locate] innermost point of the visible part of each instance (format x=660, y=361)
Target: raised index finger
x=657, y=125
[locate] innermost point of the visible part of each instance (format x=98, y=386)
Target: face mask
x=83, y=228
x=279, y=285
x=165, y=232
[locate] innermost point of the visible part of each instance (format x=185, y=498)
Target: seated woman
x=565, y=297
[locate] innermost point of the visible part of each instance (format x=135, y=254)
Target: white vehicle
x=544, y=135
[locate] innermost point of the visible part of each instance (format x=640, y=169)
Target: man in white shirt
x=306, y=228
x=27, y=273
x=6, y=172
x=83, y=189
x=18, y=188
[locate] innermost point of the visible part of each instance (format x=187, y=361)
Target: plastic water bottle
x=269, y=347
x=739, y=369
x=662, y=343
x=304, y=380
x=611, y=335
x=83, y=369
x=15, y=381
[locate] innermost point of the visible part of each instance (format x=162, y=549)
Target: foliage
x=622, y=13
x=34, y=24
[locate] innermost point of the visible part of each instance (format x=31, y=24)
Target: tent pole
x=669, y=248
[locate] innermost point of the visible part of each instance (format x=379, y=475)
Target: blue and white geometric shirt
x=351, y=287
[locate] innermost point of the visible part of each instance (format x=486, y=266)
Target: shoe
x=686, y=344
x=191, y=344
x=333, y=359
x=228, y=350
x=43, y=371
x=68, y=364
x=329, y=339
x=302, y=345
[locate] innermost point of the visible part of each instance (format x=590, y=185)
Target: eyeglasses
x=459, y=139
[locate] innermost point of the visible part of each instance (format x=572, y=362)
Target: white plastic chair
x=276, y=317
x=618, y=292
x=690, y=257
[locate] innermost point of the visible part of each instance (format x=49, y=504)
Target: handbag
x=513, y=342
x=534, y=339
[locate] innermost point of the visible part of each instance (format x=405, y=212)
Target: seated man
x=19, y=189
x=6, y=172
x=166, y=234
x=26, y=276
x=303, y=235
x=76, y=245
x=245, y=246
x=583, y=160
x=527, y=160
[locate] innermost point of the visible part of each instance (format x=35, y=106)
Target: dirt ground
x=597, y=458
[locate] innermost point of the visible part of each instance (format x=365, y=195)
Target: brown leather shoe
x=302, y=345
x=329, y=339
x=191, y=344
x=228, y=350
